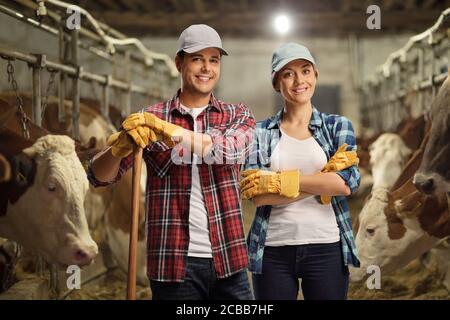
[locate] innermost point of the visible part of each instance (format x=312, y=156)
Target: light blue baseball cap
x=288, y=52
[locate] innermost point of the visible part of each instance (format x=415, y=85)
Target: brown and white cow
x=116, y=199
x=106, y=208
x=41, y=206
x=388, y=155
x=364, y=165
x=399, y=225
x=118, y=222
x=433, y=175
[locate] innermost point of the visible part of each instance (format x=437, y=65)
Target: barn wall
x=245, y=73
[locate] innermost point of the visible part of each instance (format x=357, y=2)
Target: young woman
x=302, y=159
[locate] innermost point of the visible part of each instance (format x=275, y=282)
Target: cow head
x=49, y=216
x=433, y=175
x=388, y=155
x=396, y=227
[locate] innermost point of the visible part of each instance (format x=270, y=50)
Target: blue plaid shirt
x=330, y=131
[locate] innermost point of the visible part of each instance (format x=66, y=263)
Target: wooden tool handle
x=135, y=197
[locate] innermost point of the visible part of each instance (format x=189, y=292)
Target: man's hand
x=147, y=119
x=257, y=182
x=123, y=142
x=340, y=160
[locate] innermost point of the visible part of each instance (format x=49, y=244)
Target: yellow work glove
x=123, y=142
x=142, y=135
x=340, y=160
x=167, y=129
x=257, y=182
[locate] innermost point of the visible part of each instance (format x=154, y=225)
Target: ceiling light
x=282, y=24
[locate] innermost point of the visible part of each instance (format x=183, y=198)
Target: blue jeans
x=201, y=283
x=320, y=266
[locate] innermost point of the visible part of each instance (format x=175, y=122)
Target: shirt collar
x=316, y=119
x=275, y=121
x=174, y=104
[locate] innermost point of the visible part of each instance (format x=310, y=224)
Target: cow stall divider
x=68, y=68
x=405, y=84
x=75, y=72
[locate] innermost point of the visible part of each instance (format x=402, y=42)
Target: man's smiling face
x=200, y=71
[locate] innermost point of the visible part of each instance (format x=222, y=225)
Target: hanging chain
x=51, y=82
x=23, y=116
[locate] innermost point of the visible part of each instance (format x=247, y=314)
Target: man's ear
x=178, y=63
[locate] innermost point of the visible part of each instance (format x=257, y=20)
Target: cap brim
x=201, y=47
x=284, y=62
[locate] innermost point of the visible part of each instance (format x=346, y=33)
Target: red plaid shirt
x=169, y=187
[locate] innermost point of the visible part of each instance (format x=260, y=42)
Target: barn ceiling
x=253, y=18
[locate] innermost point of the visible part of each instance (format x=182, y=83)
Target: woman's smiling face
x=297, y=81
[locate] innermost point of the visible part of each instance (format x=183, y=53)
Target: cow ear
x=409, y=206
x=23, y=170
x=31, y=152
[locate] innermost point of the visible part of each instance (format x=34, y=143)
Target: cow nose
x=426, y=185
x=84, y=256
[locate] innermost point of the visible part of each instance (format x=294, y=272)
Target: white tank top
x=304, y=221
x=199, y=242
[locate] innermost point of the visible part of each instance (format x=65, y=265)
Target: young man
x=196, y=247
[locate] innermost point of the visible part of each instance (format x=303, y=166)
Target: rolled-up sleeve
x=125, y=164
x=344, y=133
x=231, y=144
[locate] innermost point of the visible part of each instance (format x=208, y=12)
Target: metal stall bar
x=63, y=37
x=55, y=32
x=105, y=96
x=126, y=96
x=424, y=82
x=62, y=75
x=75, y=86
x=97, y=38
x=69, y=70
x=36, y=115
x=432, y=70
x=416, y=39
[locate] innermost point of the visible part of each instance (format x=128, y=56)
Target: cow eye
x=51, y=187
x=370, y=230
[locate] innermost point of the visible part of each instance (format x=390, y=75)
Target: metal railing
x=408, y=80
